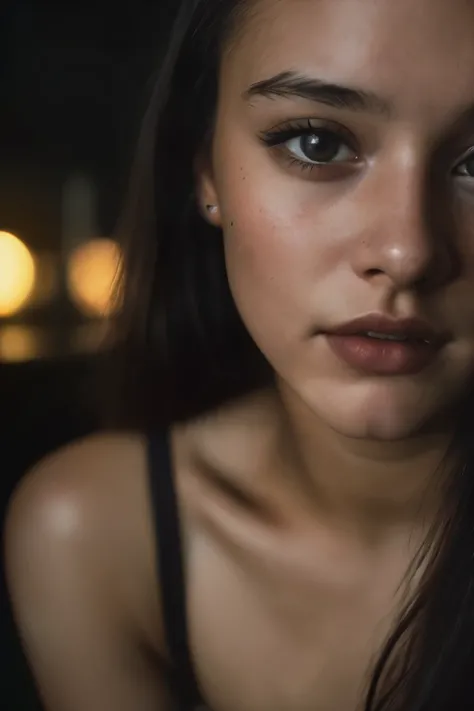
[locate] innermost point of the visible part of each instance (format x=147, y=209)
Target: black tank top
x=171, y=573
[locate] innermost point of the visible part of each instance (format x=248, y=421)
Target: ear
x=206, y=194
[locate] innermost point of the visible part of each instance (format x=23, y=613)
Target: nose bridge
x=409, y=242
x=401, y=243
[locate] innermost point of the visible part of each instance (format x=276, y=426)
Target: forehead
x=402, y=49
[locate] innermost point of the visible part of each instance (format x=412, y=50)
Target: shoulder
x=81, y=574
x=84, y=511
x=78, y=489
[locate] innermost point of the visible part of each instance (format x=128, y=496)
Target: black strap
x=171, y=569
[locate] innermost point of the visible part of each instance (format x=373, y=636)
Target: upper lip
x=410, y=328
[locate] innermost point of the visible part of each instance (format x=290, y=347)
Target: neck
x=366, y=483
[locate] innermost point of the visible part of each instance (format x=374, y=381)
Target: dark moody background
x=74, y=82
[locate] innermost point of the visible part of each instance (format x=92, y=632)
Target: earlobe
x=208, y=202
x=209, y=206
x=210, y=212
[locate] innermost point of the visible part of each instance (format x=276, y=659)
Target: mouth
x=379, y=345
x=381, y=328
x=394, y=337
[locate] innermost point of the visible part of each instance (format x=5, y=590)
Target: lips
x=411, y=329
x=378, y=345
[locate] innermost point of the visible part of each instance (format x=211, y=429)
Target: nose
x=407, y=238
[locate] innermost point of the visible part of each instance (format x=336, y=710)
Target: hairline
x=243, y=12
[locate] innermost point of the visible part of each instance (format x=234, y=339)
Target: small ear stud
x=212, y=209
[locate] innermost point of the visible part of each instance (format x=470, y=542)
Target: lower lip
x=377, y=357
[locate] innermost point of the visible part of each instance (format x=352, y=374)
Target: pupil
x=323, y=146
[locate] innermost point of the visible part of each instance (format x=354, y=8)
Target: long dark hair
x=186, y=351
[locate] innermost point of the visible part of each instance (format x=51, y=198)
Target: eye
x=466, y=168
x=320, y=147
x=310, y=145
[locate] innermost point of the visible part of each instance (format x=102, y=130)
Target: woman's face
x=343, y=172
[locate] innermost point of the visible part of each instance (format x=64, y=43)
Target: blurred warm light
x=91, y=274
x=17, y=274
x=20, y=343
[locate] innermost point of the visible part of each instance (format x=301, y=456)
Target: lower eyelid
x=330, y=171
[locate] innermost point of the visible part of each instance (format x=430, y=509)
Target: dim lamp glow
x=17, y=274
x=19, y=344
x=91, y=274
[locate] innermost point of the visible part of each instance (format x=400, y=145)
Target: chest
x=280, y=634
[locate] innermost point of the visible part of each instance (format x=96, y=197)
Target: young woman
x=289, y=525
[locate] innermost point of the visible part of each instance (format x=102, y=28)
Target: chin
x=378, y=412
x=384, y=428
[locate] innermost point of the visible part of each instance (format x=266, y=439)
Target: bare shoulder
x=88, y=499
x=81, y=468
x=77, y=491
x=81, y=572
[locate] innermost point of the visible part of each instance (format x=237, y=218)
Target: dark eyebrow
x=291, y=84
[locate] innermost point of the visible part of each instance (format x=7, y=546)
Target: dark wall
x=74, y=82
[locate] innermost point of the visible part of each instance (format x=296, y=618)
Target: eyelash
x=467, y=157
x=278, y=137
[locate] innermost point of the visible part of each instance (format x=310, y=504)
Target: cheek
x=457, y=301
x=276, y=232
x=268, y=255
